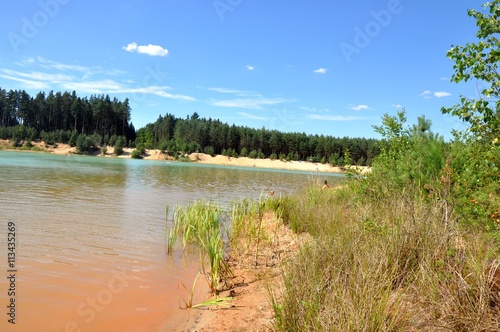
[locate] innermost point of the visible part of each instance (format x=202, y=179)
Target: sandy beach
x=65, y=149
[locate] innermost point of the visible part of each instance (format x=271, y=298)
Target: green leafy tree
x=479, y=61
x=476, y=152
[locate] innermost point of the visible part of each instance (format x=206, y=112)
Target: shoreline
x=202, y=158
x=248, y=289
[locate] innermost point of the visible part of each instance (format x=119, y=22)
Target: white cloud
x=397, y=106
x=150, y=49
x=59, y=66
x=444, y=79
x=250, y=67
x=253, y=117
x=39, y=76
x=337, y=118
x=249, y=103
x=97, y=86
x=110, y=86
x=358, y=107
x=233, y=91
x=132, y=47
x=440, y=94
x=314, y=109
x=28, y=84
x=321, y=71
x=55, y=80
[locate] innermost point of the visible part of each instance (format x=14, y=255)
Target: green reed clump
x=196, y=220
x=200, y=224
x=247, y=221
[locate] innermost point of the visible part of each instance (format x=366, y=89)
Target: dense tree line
x=89, y=123
x=214, y=137
x=67, y=112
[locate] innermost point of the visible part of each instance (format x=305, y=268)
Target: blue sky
x=321, y=67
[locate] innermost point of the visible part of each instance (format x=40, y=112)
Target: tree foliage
x=479, y=61
x=476, y=152
x=410, y=155
x=62, y=111
x=214, y=137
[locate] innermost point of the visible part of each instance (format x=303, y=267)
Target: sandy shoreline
x=65, y=149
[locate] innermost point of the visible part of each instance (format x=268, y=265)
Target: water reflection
x=83, y=220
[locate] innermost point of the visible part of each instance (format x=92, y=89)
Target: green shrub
x=119, y=146
x=253, y=154
x=135, y=154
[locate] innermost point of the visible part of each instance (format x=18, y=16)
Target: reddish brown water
x=90, y=252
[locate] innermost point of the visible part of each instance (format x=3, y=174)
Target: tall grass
x=200, y=224
x=383, y=263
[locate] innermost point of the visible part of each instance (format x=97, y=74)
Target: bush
x=135, y=154
x=162, y=146
x=140, y=149
x=253, y=154
x=243, y=152
x=73, y=138
x=83, y=144
x=15, y=142
x=209, y=150
x=119, y=146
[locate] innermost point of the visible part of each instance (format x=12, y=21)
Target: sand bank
x=65, y=149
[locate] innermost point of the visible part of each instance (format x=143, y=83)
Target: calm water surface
x=89, y=231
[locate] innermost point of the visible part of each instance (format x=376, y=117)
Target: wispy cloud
x=250, y=67
x=426, y=94
x=253, y=117
x=66, y=77
x=314, y=109
x=234, y=91
x=248, y=103
x=321, y=70
x=59, y=66
x=397, y=106
x=41, y=62
x=39, y=76
x=150, y=49
x=27, y=84
x=94, y=86
x=438, y=94
x=358, y=107
x=336, y=118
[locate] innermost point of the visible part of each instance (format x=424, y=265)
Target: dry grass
x=385, y=264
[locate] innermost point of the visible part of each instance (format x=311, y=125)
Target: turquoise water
x=81, y=220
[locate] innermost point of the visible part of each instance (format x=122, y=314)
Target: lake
x=90, y=251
